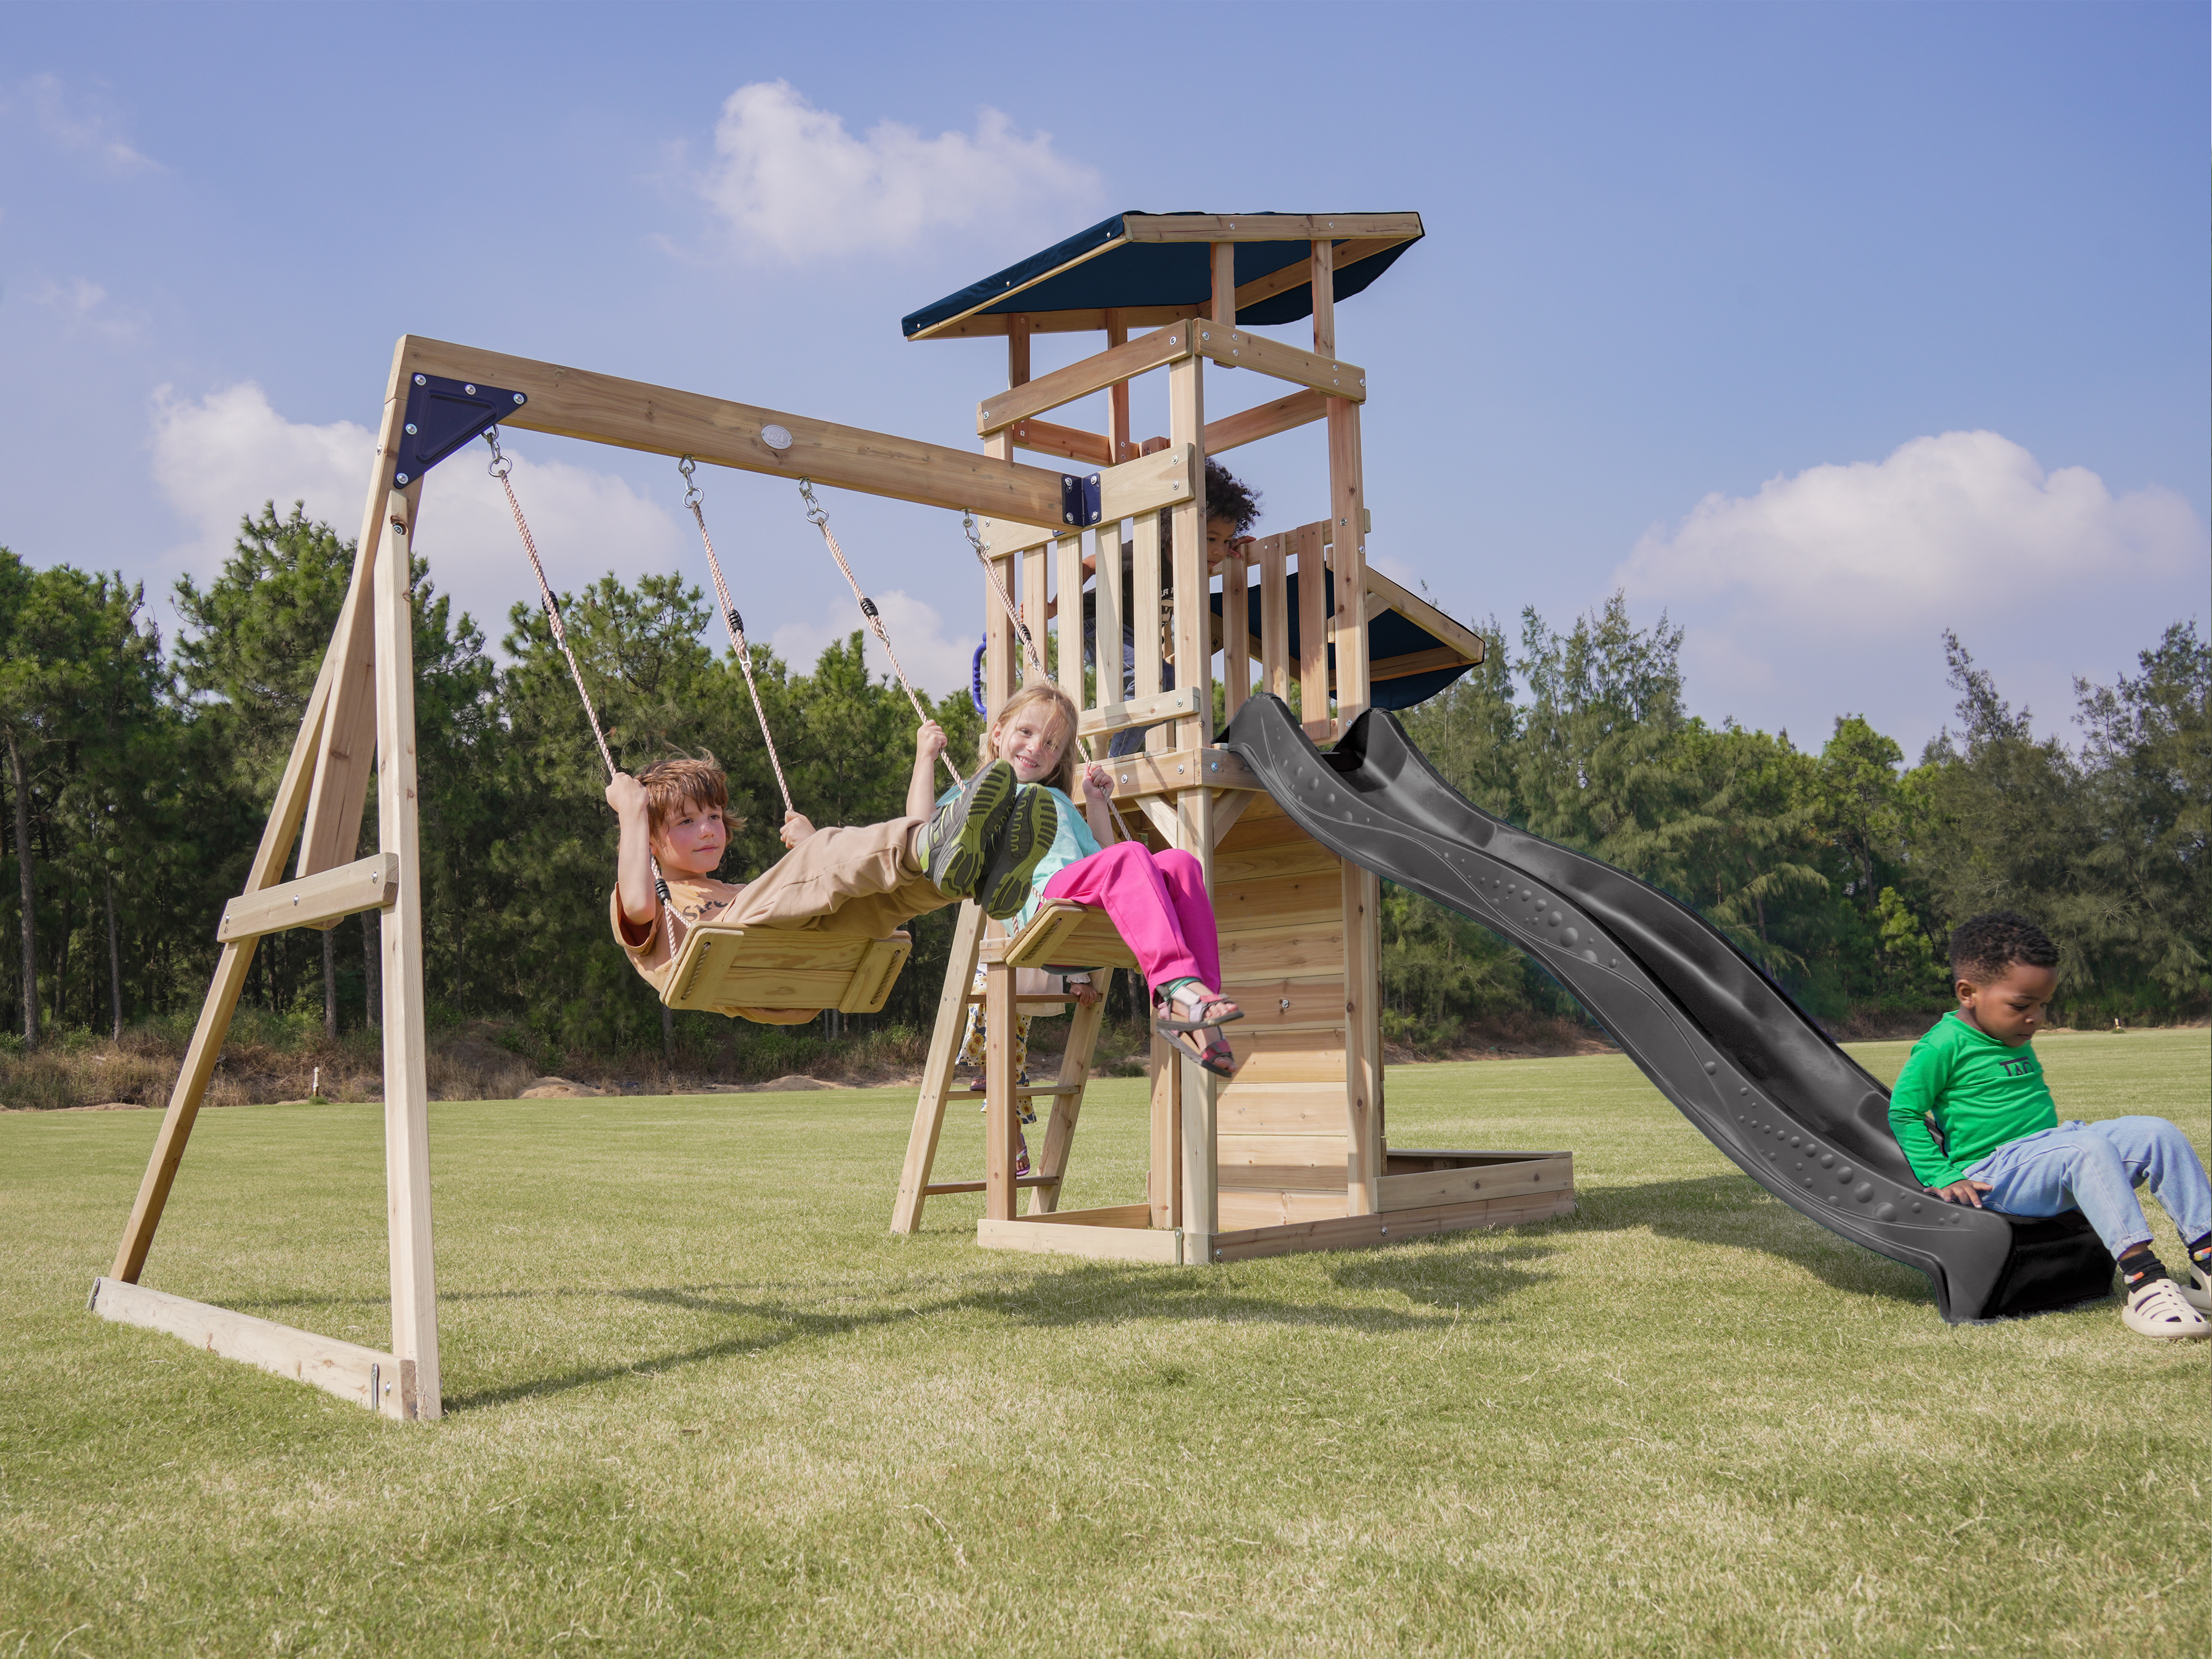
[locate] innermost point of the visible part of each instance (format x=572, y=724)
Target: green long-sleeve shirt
x=1982, y=1093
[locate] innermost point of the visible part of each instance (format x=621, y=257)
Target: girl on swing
x=1158, y=900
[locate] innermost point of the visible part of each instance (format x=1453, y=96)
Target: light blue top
x=1071, y=842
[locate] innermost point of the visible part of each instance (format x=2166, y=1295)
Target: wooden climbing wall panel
x=1281, y=1119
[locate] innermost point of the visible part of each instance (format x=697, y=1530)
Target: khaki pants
x=841, y=880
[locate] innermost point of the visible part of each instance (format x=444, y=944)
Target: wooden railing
x=1129, y=652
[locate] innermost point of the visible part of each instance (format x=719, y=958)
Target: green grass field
x=701, y=1401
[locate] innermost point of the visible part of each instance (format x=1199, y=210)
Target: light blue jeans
x=2095, y=1168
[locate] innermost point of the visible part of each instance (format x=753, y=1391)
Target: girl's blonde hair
x=1062, y=776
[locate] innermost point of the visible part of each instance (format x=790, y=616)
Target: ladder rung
x=935, y=1188
x=1026, y=1092
x=1045, y=1001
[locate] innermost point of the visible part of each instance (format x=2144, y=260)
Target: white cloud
x=1828, y=590
x=795, y=185
x=1945, y=525
x=222, y=457
x=78, y=124
x=82, y=307
x=935, y=663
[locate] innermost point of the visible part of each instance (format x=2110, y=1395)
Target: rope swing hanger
x=501, y=466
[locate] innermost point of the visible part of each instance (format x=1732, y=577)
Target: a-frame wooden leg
x=937, y=1072
x=349, y=743
x=276, y=838
x=406, y=1083
x=1068, y=1108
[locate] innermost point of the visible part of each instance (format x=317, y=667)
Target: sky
x=1819, y=329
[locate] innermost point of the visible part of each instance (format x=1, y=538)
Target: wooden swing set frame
x=360, y=719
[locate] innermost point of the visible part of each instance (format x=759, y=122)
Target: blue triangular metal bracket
x=1079, y=499
x=443, y=414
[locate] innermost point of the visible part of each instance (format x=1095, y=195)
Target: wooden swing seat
x=724, y=969
x=1063, y=934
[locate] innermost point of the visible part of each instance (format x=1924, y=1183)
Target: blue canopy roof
x=1150, y=262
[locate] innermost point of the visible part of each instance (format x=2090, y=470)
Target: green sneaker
x=1027, y=837
x=957, y=847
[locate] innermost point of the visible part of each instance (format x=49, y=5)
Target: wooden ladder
x=976, y=940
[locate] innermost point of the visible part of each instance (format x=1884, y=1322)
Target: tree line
x=138, y=774
x=1840, y=871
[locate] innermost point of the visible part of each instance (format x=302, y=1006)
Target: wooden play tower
x=1291, y=1153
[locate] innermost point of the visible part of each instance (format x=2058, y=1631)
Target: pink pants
x=1158, y=903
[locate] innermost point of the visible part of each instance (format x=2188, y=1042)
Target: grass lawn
x=702, y=1402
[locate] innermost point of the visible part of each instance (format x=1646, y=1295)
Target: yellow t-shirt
x=691, y=900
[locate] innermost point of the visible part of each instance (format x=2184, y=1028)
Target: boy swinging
x=984, y=842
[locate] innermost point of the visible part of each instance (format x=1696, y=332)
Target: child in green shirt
x=1977, y=1080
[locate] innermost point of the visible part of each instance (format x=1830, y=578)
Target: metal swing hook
x=816, y=514
x=692, y=494
x=500, y=465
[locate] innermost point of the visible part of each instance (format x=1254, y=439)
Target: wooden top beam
x=1080, y=380
x=1266, y=227
x=1166, y=477
x=1065, y=322
x=576, y=403
x=1236, y=347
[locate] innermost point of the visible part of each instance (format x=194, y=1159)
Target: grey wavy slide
x=1717, y=1036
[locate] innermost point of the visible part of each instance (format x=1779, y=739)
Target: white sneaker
x=2196, y=1289
x=2157, y=1308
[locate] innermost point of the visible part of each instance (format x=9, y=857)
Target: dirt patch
x=559, y=1088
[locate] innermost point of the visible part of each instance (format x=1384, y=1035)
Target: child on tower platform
x=2002, y=1147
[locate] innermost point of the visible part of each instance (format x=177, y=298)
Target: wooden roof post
x=1118, y=395
x=1362, y=900
x=1323, y=269
x=1017, y=349
x=1194, y=1090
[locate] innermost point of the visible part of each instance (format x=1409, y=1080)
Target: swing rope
x=1013, y=616
x=693, y=496
x=820, y=520
x=500, y=468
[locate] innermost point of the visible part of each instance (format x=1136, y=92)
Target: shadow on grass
x=1074, y=1296
x=1430, y=1273
x=1735, y=1210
